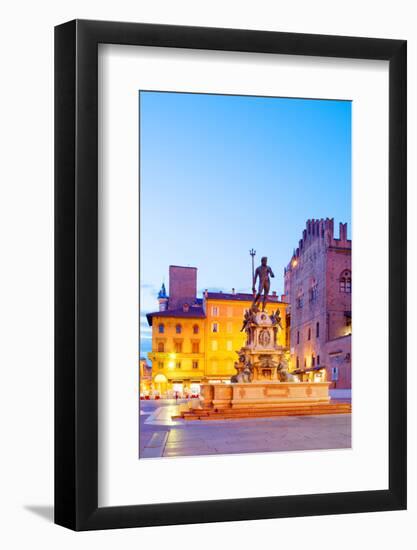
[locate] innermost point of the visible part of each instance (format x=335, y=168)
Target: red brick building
x=318, y=285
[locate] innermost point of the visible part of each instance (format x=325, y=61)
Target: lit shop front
x=166, y=388
x=311, y=374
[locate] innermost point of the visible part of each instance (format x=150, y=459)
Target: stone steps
x=236, y=413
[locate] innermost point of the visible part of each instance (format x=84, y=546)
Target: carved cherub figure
x=246, y=319
x=244, y=371
x=276, y=318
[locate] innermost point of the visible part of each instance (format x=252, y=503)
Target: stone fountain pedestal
x=263, y=395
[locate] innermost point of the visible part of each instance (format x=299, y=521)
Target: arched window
x=161, y=347
x=178, y=329
x=196, y=329
x=313, y=290
x=300, y=298
x=161, y=328
x=345, y=282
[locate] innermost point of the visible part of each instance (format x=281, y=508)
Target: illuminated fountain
x=262, y=379
x=262, y=385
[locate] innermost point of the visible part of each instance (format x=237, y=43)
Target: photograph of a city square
x=245, y=274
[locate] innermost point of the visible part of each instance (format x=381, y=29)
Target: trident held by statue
x=252, y=252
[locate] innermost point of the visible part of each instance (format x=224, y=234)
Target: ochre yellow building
x=224, y=318
x=196, y=339
x=178, y=345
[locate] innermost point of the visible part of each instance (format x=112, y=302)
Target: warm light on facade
x=204, y=353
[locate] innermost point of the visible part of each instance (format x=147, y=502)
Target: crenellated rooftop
x=322, y=230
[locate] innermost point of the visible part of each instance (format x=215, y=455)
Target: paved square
x=160, y=436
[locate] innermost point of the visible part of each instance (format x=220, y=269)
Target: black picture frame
x=76, y=273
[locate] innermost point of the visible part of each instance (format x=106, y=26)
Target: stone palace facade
x=318, y=289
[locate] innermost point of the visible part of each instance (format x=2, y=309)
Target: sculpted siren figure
x=263, y=272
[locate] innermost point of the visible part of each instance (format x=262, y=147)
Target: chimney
x=182, y=286
x=233, y=291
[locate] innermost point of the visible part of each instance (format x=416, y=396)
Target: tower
x=182, y=286
x=163, y=298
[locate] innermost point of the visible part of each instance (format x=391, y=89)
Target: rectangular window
x=196, y=347
x=195, y=364
x=178, y=347
x=229, y=327
x=215, y=311
x=215, y=327
x=298, y=336
x=318, y=359
x=313, y=293
x=160, y=364
x=161, y=347
x=300, y=301
x=297, y=362
x=214, y=345
x=313, y=361
x=178, y=364
x=335, y=374
x=229, y=311
x=309, y=334
x=229, y=345
x=317, y=330
x=345, y=284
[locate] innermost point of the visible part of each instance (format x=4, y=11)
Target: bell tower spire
x=163, y=298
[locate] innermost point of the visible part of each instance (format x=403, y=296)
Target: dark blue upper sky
x=222, y=174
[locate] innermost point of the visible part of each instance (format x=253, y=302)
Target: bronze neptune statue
x=263, y=272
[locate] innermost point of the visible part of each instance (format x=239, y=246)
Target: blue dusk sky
x=220, y=175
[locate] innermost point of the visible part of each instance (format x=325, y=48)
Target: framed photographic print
x=230, y=337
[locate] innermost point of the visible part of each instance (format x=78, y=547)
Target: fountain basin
x=263, y=394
